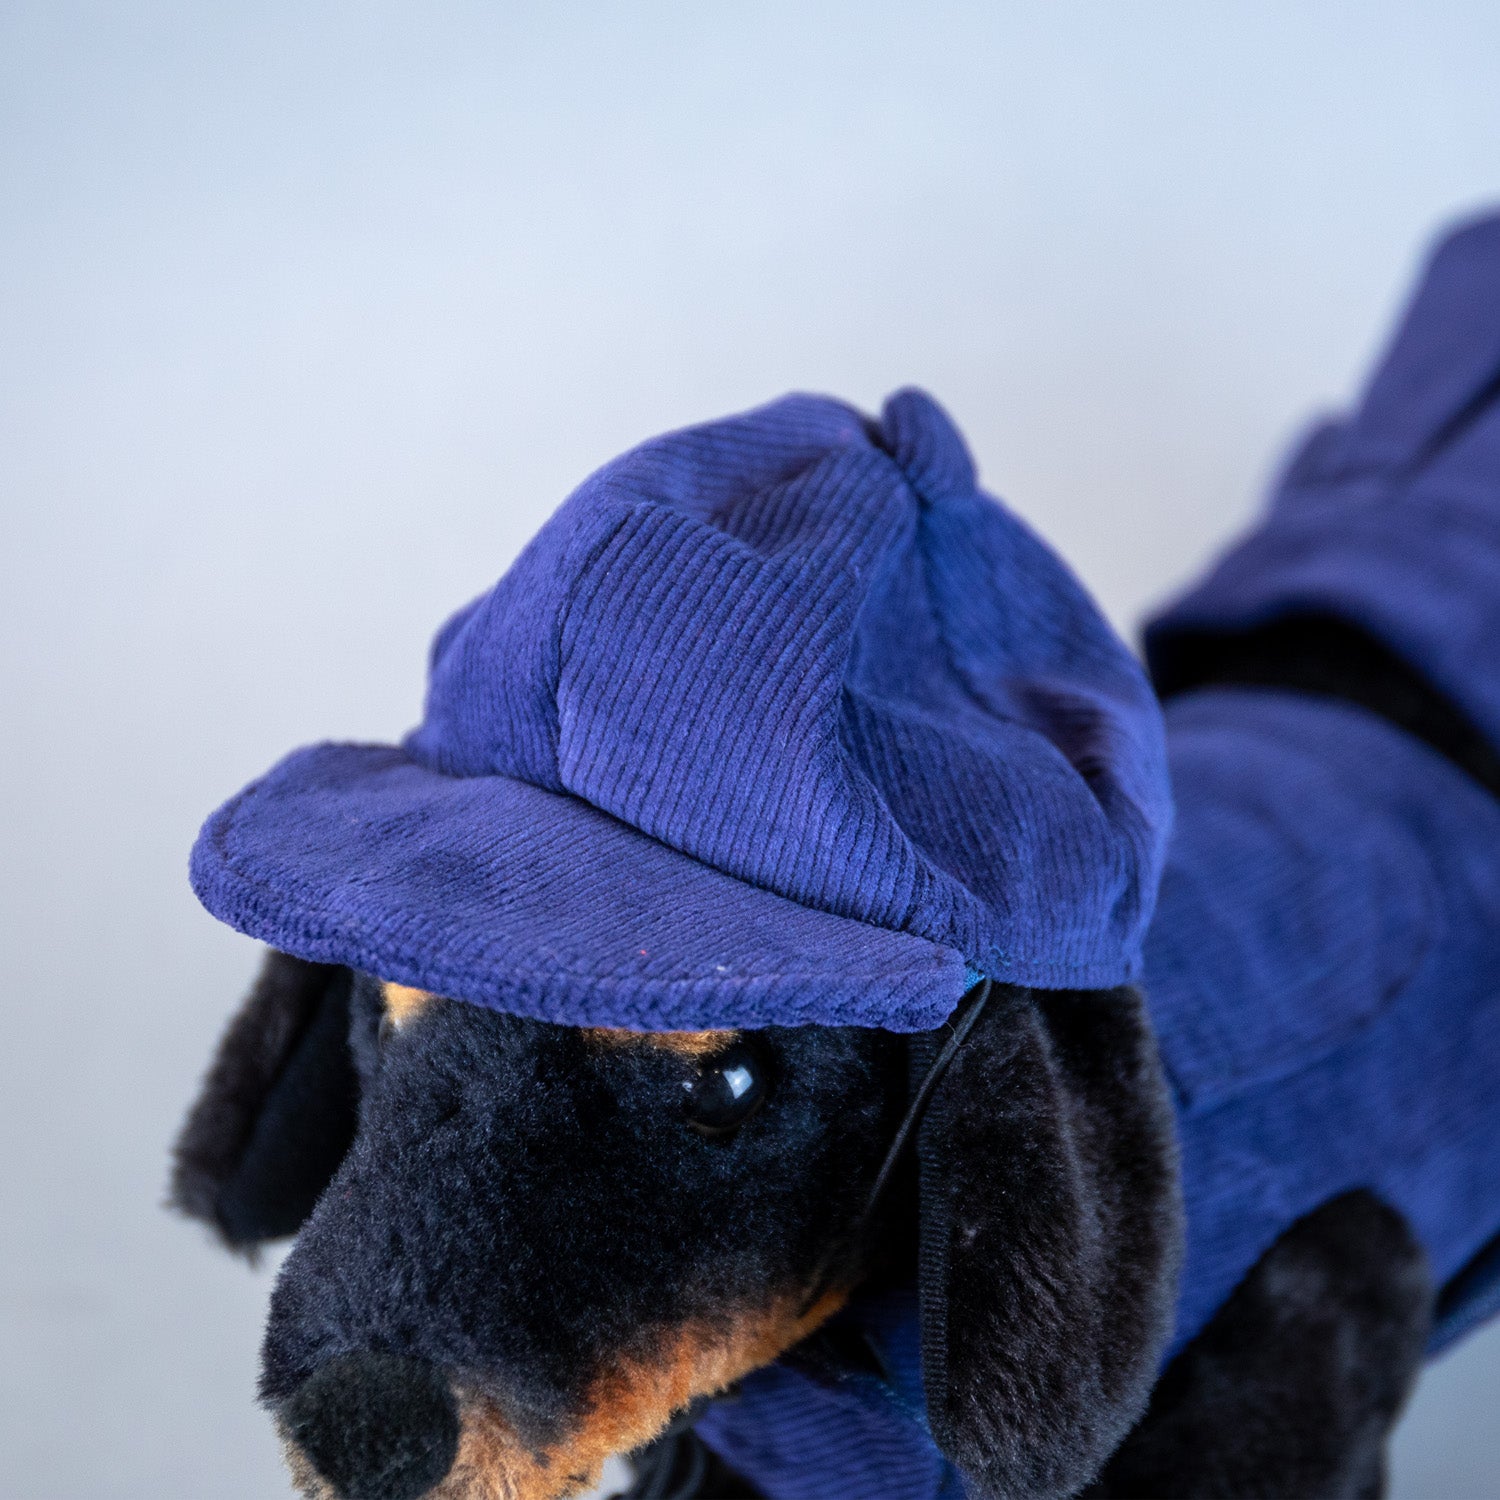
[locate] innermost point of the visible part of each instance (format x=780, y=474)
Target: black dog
x=540, y=1243
x=559, y=1238
x=524, y=1247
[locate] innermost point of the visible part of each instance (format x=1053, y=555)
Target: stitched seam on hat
x=877, y=461
x=995, y=954
x=585, y=565
x=928, y=873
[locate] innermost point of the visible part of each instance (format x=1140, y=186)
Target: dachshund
x=524, y=1247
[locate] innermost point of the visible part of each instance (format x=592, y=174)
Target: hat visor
x=495, y=891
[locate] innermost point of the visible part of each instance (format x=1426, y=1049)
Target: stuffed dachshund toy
x=772, y=1019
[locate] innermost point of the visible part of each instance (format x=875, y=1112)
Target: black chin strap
x=959, y=1025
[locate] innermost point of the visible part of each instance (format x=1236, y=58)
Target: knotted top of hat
x=777, y=720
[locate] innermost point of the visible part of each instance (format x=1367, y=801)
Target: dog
x=1044, y=1240
x=572, y=1236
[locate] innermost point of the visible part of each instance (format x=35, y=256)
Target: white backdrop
x=311, y=312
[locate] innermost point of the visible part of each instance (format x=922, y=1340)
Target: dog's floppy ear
x=1051, y=1229
x=278, y=1108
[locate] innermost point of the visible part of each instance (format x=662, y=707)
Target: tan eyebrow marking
x=403, y=1004
x=683, y=1043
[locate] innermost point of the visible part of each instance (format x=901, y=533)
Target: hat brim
x=494, y=891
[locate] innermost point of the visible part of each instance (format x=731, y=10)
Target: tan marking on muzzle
x=683, y=1043
x=626, y=1407
x=403, y=1004
x=305, y=1479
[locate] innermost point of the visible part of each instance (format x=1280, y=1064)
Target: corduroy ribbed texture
x=777, y=720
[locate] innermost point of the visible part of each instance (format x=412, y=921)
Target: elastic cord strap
x=959, y=1025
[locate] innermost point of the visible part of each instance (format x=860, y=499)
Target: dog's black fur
x=524, y=1205
x=462, y=1234
x=1298, y=1377
x=527, y=1206
x=1050, y=1234
x=278, y=1109
x=515, y=1206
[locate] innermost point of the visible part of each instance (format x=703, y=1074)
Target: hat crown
x=802, y=648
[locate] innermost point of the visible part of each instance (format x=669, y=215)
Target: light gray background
x=311, y=313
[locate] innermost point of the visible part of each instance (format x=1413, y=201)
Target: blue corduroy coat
x=1323, y=968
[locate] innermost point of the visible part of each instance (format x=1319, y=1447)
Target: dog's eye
x=726, y=1090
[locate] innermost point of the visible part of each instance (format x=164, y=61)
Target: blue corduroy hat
x=777, y=720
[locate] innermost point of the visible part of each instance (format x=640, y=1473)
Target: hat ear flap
x=1051, y=1230
x=278, y=1108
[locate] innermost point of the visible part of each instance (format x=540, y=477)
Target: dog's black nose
x=375, y=1426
